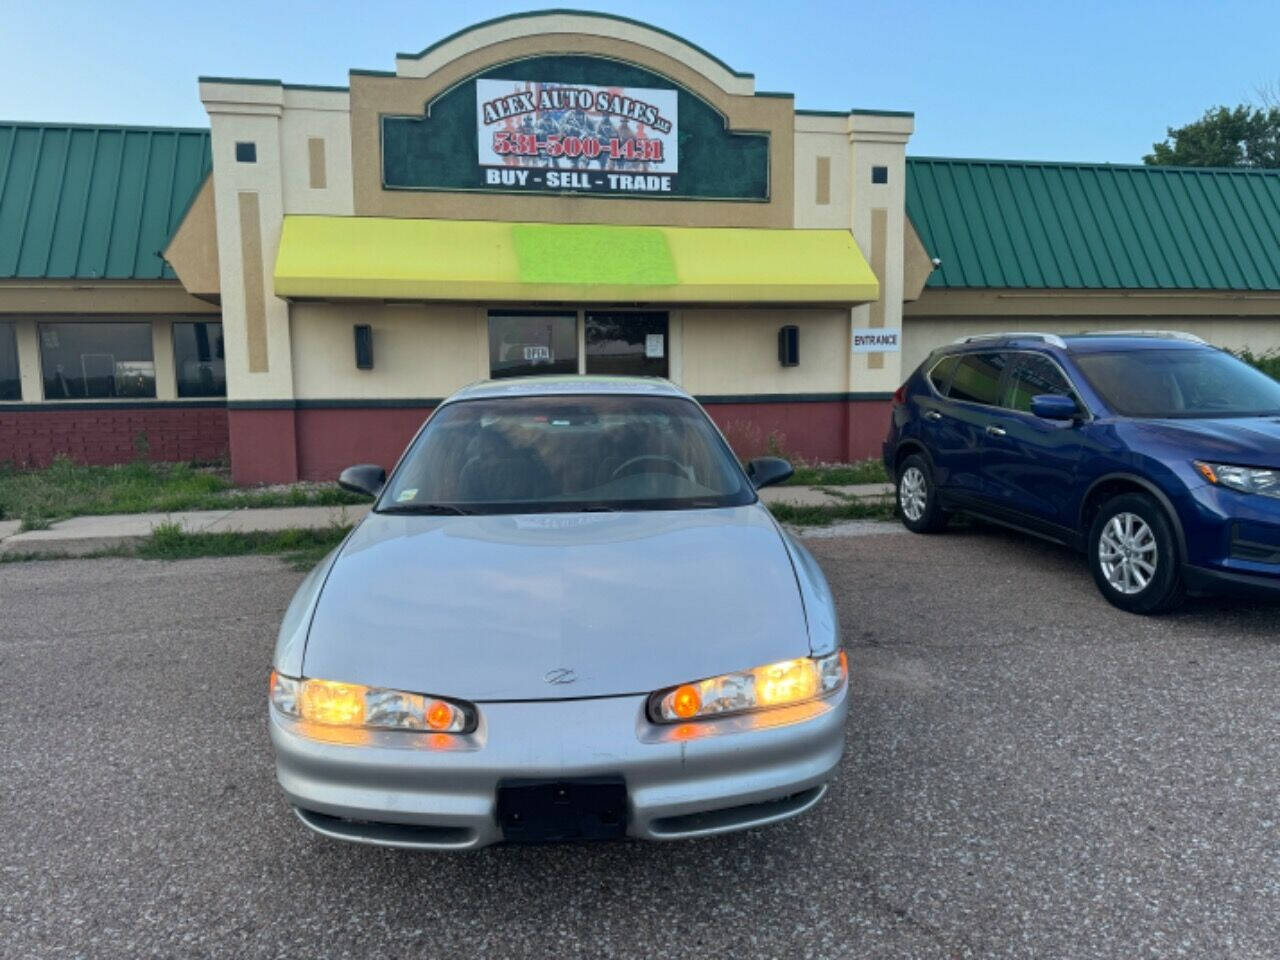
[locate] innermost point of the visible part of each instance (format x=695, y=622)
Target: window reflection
x=100, y=359
x=10, y=385
x=529, y=344
x=199, y=359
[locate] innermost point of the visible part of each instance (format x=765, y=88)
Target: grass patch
x=839, y=474
x=821, y=516
x=301, y=548
x=66, y=489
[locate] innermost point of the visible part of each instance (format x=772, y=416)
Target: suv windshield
x=552, y=454
x=1180, y=383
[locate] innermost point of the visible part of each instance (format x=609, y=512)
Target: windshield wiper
x=429, y=509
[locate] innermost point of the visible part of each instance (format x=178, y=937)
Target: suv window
x=1180, y=382
x=977, y=377
x=1033, y=375
x=940, y=375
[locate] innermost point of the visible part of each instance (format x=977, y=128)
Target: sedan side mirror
x=765, y=471
x=1054, y=406
x=366, y=478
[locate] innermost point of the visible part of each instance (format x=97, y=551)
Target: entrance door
x=626, y=342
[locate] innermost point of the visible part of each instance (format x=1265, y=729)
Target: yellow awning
x=387, y=258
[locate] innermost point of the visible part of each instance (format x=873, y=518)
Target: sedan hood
x=502, y=607
x=1249, y=441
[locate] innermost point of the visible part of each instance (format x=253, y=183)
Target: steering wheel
x=669, y=465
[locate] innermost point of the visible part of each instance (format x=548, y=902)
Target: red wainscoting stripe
x=834, y=431
x=333, y=438
x=315, y=442
x=264, y=448
x=110, y=434
x=868, y=427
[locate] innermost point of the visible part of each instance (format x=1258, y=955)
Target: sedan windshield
x=1180, y=383
x=552, y=454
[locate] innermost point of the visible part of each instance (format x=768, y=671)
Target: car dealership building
x=298, y=285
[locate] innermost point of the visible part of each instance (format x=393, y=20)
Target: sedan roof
x=552, y=386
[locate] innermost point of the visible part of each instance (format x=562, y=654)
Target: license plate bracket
x=550, y=811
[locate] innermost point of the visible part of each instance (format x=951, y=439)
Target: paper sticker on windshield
x=407, y=495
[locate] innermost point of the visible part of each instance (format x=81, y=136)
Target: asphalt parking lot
x=1028, y=773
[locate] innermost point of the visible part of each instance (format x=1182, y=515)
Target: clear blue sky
x=1010, y=78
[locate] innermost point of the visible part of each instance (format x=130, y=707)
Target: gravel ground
x=1029, y=773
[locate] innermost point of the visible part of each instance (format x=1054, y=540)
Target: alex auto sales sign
x=556, y=136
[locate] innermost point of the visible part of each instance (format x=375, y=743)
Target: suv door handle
x=932, y=415
x=994, y=431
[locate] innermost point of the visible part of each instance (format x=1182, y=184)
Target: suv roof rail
x=1050, y=338
x=1163, y=334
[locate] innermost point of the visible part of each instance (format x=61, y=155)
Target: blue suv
x=1153, y=452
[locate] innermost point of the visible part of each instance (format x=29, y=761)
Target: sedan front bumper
x=435, y=791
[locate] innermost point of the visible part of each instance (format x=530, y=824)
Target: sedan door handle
x=932, y=415
x=994, y=431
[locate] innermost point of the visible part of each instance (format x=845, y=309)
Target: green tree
x=1243, y=136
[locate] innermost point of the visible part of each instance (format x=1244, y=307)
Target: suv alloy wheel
x=918, y=498
x=1133, y=555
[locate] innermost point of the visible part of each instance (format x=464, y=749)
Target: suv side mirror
x=1053, y=406
x=765, y=471
x=366, y=478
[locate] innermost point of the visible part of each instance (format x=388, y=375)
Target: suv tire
x=1133, y=555
x=917, y=497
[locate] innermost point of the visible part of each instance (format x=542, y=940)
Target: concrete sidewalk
x=83, y=535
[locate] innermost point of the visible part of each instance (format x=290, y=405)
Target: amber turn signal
x=685, y=702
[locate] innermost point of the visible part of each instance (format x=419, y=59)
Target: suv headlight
x=371, y=708
x=778, y=684
x=1244, y=479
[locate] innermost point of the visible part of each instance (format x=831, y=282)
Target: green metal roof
x=91, y=202
x=1019, y=224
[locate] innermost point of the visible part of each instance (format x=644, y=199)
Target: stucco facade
x=820, y=177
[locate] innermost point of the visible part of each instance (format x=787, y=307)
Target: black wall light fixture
x=364, y=346
x=789, y=345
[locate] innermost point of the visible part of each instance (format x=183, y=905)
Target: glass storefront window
x=10, y=385
x=531, y=344
x=629, y=344
x=96, y=360
x=199, y=361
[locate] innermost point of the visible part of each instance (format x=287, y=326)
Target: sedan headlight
x=1244, y=479
x=355, y=705
x=773, y=685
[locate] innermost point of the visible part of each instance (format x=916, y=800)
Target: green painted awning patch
x=593, y=254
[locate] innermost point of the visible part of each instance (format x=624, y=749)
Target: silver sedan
x=568, y=616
